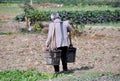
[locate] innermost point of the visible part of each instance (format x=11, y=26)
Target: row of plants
x=109, y=3
x=69, y=2
x=77, y=17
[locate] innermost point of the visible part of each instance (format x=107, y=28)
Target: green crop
x=29, y=75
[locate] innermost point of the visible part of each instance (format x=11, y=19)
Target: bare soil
x=98, y=50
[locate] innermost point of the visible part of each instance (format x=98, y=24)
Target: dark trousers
x=63, y=59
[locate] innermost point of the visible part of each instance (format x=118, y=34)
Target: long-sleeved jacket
x=61, y=33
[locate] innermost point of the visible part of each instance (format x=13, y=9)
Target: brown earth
x=98, y=49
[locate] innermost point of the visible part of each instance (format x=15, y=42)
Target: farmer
x=61, y=39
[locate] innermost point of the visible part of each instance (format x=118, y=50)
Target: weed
x=5, y=33
x=29, y=75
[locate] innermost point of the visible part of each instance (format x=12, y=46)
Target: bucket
x=53, y=57
x=71, y=54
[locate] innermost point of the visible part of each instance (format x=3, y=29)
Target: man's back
x=61, y=32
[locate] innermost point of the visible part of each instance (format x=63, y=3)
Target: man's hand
x=45, y=48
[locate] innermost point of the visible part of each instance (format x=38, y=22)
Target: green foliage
x=20, y=17
x=86, y=17
x=5, y=33
x=33, y=14
x=78, y=17
x=27, y=9
x=36, y=15
x=30, y=75
x=38, y=26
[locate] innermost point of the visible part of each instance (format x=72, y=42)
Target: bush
x=20, y=17
x=78, y=17
x=36, y=15
x=86, y=17
x=38, y=26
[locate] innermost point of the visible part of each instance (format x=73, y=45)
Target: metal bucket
x=53, y=57
x=71, y=54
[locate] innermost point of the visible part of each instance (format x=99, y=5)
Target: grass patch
x=9, y=4
x=5, y=33
x=112, y=24
x=9, y=10
x=29, y=75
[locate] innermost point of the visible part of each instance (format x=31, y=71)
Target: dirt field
x=97, y=49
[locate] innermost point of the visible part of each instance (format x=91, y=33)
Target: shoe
x=57, y=72
x=66, y=71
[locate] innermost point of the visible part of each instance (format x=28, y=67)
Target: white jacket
x=61, y=33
